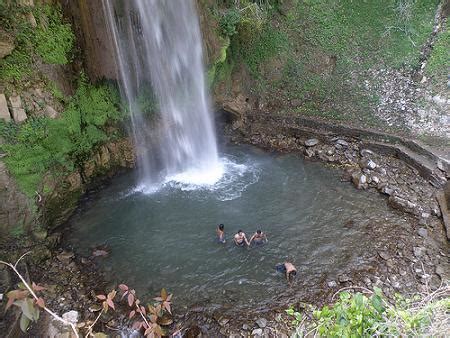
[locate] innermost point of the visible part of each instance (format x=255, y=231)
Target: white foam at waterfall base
x=226, y=181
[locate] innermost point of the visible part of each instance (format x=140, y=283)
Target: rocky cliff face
x=91, y=29
x=63, y=195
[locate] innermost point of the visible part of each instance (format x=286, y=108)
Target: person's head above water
x=221, y=226
x=258, y=232
x=239, y=231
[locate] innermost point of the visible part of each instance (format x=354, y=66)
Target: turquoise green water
x=167, y=238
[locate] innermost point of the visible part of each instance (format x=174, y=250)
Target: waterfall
x=158, y=44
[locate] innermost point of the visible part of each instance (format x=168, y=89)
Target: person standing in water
x=240, y=239
x=288, y=269
x=258, y=237
x=220, y=231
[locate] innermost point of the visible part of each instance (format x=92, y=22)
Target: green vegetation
x=358, y=315
x=265, y=45
x=229, y=21
x=314, y=56
x=440, y=56
x=52, y=39
x=43, y=146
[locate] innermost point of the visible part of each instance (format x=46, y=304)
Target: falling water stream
x=159, y=43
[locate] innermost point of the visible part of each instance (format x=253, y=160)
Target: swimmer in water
x=258, y=237
x=220, y=231
x=240, y=239
x=288, y=269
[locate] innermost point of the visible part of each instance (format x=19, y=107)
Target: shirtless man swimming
x=240, y=239
x=289, y=269
x=258, y=237
x=220, y=231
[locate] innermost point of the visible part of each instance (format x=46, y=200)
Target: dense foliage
x=358, y=315
x=52, y=39
x=43, y=145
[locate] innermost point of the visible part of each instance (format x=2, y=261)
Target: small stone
x=366, y=152
x=65, y=257
x=257, y=332
x=375, y=180
x=440, y=271
x=309, y=152
x=262, y=322
x=71, y=316
x=387, y=190
x=367, y=164
x=418, y=251
x=359, y=180
x=384, y=255
x=223, y=321
x=342, y=143
x=330, y=152
x=332, y=284
x=422, y=232
x=436, y=212
x=311, y=142
x=245, y=327
x=344, y=278
x=51, y=112
x=381, y=171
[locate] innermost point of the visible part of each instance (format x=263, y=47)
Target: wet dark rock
x=311, y=142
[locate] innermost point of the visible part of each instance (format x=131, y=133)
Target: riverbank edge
x=289, y=134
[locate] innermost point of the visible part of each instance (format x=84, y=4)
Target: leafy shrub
x=357, y=315
x=229, y=21
x=41, y=145
x=53, y=38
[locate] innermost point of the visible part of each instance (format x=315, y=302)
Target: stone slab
x=16, y=101
x=19, y=115
x=4, y=111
